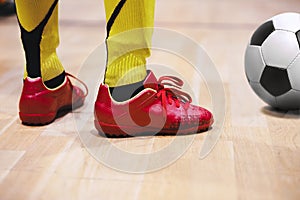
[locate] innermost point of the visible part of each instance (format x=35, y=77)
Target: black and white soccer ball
x=272, y=61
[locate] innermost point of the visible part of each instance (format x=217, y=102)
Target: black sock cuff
x=125, y=92
x=57, y=81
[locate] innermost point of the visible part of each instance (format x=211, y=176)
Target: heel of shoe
x=37, y=119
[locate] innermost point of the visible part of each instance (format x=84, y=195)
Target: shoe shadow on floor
x=147, y=134
x=291, y=114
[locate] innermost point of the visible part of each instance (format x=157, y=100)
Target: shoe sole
x=44, y=119
x=111, y=130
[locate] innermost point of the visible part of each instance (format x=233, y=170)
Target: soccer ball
x=272, y=61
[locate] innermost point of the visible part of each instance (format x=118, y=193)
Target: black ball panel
x=261, y=34
x=298, y=37
x=275, y=80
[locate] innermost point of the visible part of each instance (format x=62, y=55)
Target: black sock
x=125, y=92
x=55, y=82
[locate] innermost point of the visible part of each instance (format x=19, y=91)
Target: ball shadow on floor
x=274, y=112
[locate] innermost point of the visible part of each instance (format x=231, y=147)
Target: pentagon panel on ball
x=275, y=81
x=261, y=34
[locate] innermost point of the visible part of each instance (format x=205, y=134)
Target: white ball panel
x=263, y=94
x=280, y=49
x=294, y=73
x=289, y=100
x=254, y=64
x=287, y=21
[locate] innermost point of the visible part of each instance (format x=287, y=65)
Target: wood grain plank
x=257, y=156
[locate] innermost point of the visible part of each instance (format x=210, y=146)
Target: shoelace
x=80, y=81
x=168, y=95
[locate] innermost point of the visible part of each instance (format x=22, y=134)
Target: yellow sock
x=40, y=51
x=127, y=53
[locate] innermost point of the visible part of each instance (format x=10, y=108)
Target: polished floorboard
x=257, y=154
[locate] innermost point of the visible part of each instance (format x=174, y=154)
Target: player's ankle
x=56, y=81
x=125, y=92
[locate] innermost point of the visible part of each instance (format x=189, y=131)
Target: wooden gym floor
x=257, y=156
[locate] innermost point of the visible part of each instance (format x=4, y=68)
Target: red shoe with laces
x=156, y=109
x=40, y=105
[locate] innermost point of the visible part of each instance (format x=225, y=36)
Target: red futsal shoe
x=39, y=105
x=156, y=109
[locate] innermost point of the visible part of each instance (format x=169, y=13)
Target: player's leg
x=38, y=21
x=127, y=70
x=131, y=94
x=46, y=88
